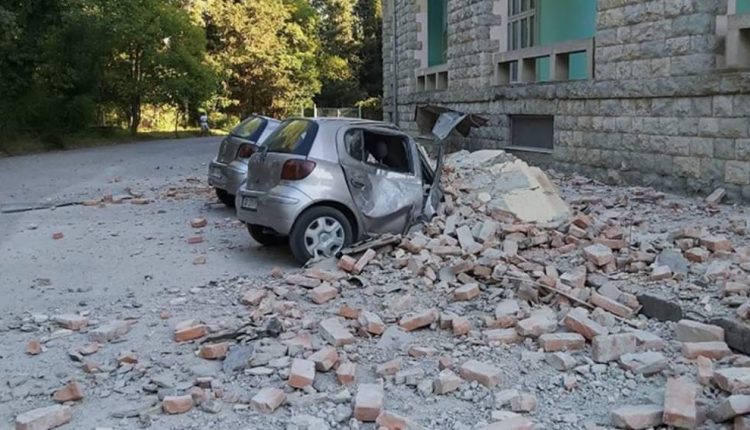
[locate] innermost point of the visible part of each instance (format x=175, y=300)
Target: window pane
x=293, y=137
x=532, y=32
x=524, y=33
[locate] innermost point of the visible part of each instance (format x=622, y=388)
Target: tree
x=265, y=50
x=157, y=56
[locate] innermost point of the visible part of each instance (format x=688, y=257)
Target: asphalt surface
x=118, y=250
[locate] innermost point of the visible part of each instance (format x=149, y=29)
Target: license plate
x=250, y=203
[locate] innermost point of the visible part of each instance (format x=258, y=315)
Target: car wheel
x=225, y=197
x=321, y=232
x=265, y=237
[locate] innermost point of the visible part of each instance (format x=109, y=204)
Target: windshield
x=250, y=128
x=293, y=137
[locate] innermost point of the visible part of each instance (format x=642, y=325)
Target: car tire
x=306, y=219
x=264, y=237
x=225, y=197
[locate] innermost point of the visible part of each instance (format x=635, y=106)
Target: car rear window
x=250, y=129
x=293, y=137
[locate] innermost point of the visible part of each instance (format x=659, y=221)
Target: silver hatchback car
x=228, y=170
x=325, y=183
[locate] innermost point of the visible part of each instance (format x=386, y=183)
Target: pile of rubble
x=623, y=310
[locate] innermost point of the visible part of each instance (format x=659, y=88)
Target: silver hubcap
x=324, y=237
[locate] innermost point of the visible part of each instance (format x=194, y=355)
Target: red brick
x=323, y=293
x=139, y=201
x=268, y=399
x=371, y=323
x=598, y=254
x=364, y=260
x=705, y=370
x=637, y=417
x=730, y=407
x=523, y=403
x=325, y=275
x=71, y=392
x=390, y=421
x=445, y=363
x=712, y=350
x=214, y=351
x=694, y=331
x=742, y=423
x=44, y=418
x=422, y=351
x=660, y=273
x=127, y=357
x=553, y=342
x=606, y=348
x=419, y=320
x=716, y=243
x=34, y=347
x=177, y=404
x=302, y=373
x=506, y=313
x=734, y=380
x=537, y=324
x=466, y=292
x=253, y=297
x=487, y=375
x=90, y=367
x=346, y=372
x=578, y=321
x=349, y=312
x=198, y=222
x=389, y=368
x=189, y=330
x=347, y=263
x=368, y=403
x=57, y=236
x=501, y=336
x=446, y=382
x=697, y=255
x=335, y=333
x=72, y=321
x=610, y=305
x=192, y=240
x=679, y=404
x=302, y=281
x=198, y=394
x=325, y=358
x=461, y=326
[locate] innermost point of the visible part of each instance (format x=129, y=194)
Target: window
x=250, y=129
x=532, y=131
x=293, y=137
x=521, y=24
x=437, y=32
x=385, y=151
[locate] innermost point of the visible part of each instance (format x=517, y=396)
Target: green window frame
x=437, y=32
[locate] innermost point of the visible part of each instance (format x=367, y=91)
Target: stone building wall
x=660, y=111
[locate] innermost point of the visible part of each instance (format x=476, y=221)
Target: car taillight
x=294, y=170
x=246, y=150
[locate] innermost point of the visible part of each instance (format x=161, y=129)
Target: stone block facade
x=661, y=109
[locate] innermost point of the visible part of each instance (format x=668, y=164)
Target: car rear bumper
x=227, y=177
x=276, y=209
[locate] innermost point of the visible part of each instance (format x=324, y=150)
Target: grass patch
x=24, y=145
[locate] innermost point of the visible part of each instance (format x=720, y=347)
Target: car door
x=387, y=192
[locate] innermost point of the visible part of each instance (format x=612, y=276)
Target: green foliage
x=73, y=65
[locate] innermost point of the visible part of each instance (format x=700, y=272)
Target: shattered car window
x=354, y=144
x=293, y=137
x=387, y=151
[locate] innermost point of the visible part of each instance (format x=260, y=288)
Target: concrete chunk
x=44, y=418
x=637, y=417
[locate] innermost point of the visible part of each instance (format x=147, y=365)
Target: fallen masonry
x=511, y=309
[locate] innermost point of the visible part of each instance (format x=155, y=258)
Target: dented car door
x=382, y=172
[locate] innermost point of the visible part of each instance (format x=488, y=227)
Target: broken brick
x=606, y=348
x=644, y=363
x=679, y=404
x=349, y=312
x=193, y=240
x=72, y=321
x=716, y=243
x=110, y=331
x=302, y=373
x=346, y=372
x=177, y=404
x=553, y=342
x=466, y=292
x=253, y=297
x=368, y=403
x=523, y=403
x=389, y=368
x=371, y=323
x=730, y=407
x=705, y=370
x=461, y=326
x=578, y=321
x=325, y=358
x=335, y=333
x=34, y=347
x=501, y=336
x=70, y=392
x=346, y=263
x=446, y=382
x=637, y=417
x=44, y=418
x=712, y=350
x=268, y=399
x=697, y=255
x=198, y=222
x=693, y=331
x=419, y=320
x=537, y=324
x=189, y=330
x=421, y=351
x=364, y=260
x=734, y=380
x=598, y=254
x=390, y=421
x=302, y=281
x=214, y=351
x=323, y=293
x=485, y=374
x=610, y=305
x=57, y=235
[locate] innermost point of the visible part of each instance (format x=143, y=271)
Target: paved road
x=120, y=251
